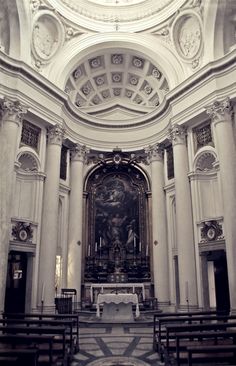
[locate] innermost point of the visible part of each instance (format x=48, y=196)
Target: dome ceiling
x=124, y=79
x=130, y=14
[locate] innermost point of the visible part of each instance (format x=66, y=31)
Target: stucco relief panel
x=47, y=36
x=187, y=35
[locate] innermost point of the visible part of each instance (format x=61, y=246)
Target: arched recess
x=81, y=47
x=117, y=224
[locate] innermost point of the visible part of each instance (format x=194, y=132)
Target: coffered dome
x=105, y=81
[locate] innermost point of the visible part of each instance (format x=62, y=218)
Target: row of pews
x=34, y=339
x=195, y=338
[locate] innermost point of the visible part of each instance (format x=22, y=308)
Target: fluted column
x=184, y=221
x=48, y=246
x=221, y=115
x=78, y=155
x=159, y=226
x=12, y=112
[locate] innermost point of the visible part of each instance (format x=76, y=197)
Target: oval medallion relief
x=187, y=35
x=47, y=36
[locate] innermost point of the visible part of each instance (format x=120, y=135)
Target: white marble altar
x=117, y=306
x=102, y=288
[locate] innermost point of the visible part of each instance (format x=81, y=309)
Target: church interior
x=117, y=157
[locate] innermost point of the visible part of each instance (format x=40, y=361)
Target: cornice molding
x=208, y=72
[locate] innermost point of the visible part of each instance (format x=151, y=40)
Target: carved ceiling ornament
x=47, y=35
x=187, y=36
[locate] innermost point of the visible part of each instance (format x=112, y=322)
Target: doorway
x=218, y=258
x=16, y=282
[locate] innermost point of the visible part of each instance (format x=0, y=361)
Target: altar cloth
x=120, y=305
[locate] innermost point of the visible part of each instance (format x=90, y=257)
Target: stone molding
x=13, y=110
x=55, y=135
x=220, y=111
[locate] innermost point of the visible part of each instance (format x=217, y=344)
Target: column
x=221, y=115
x=184, y=221
x=78, y=155
x=159, y=226
x=48, y=246
x=12, y=112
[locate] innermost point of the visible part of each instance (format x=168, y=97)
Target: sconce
x=155, y=242
x=79, y=242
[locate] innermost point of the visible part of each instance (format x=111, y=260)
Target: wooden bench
x=179, y=315
x=160, y=325
x=59, y=332
x=205, y=350
x=190, y=331
x=25, y=357
x=44, y=316
x=43, y=343
x=68, y=324
x=185, y=340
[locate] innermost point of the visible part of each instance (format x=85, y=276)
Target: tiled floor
x=116, y=345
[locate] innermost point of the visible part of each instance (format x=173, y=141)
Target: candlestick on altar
x=140, y=247
x=100, y=242
x=89, y=251
x=147, y=251
x=96, y=247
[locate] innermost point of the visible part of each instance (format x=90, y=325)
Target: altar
x=107, y=288
x=117, y=306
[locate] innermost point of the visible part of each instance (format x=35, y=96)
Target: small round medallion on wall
x=211, y=233
x=23, y=235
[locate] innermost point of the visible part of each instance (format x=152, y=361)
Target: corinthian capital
x=220, y=110
x=155, y=152
x=56, y=134
x=177, y=134
x=79, y=153
x=13, y=110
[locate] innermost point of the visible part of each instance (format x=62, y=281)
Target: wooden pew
x=68, y=324
x=160, y=325
x=43, y=343
x=45, y=316
x=59, y=332
x=205, y=350
x=27, y=357
x=179, y=315
x=193, y=330
x=200, y=339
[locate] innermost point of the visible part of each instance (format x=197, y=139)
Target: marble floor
x=116, y=345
